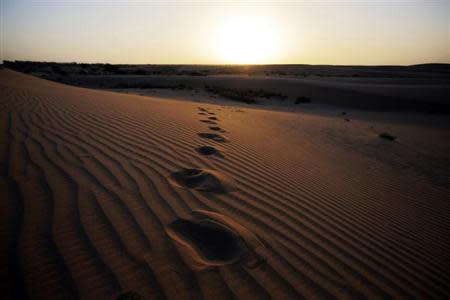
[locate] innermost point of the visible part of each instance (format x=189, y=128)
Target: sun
x=247, y=41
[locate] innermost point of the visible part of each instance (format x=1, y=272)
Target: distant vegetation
x=49, y=68
x=425, y=70
x=302, y=100
x=58, y=70
x=246, y=96
x=150, y=85
x=111, y=68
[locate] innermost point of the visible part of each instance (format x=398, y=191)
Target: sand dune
x=104, y=193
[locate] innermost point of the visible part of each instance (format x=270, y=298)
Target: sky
x=351, y=32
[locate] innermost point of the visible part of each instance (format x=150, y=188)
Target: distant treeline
x=67, y=69
x=74, y=68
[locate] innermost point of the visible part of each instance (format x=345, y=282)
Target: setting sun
x=247, y=41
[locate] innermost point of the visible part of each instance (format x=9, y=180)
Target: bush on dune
x=247, y=96
x=387, y=136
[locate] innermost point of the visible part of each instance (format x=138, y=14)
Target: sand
x=319, y=208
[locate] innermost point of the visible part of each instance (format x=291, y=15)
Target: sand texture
x=105, y=193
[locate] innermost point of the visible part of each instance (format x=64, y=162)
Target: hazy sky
x=204, y=32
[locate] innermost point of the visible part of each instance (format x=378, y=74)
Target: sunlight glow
x=247, y=41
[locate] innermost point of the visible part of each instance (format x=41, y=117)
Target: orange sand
x=336, y=211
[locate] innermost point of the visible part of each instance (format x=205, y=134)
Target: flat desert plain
x=117, y=196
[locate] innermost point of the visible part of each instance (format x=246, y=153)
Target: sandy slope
x=96, y=201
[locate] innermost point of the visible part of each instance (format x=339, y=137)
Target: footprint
x=211, y=113
x=210, y=243
x=208, y=122
x=208, y=150
x=213, y=118
x=203, y=180
x=202, y=113
x=212, y=136
x=216, y=128
x=208, y=239
x=202, y=109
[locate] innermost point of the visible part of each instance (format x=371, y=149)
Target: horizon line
x=227, y=64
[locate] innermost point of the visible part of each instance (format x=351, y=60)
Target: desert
x=224, y=150
x=100, y=192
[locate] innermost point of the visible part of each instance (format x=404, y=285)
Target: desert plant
x=232, y=94
x=302, y=100
x=387, y=136
x=246, y=96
